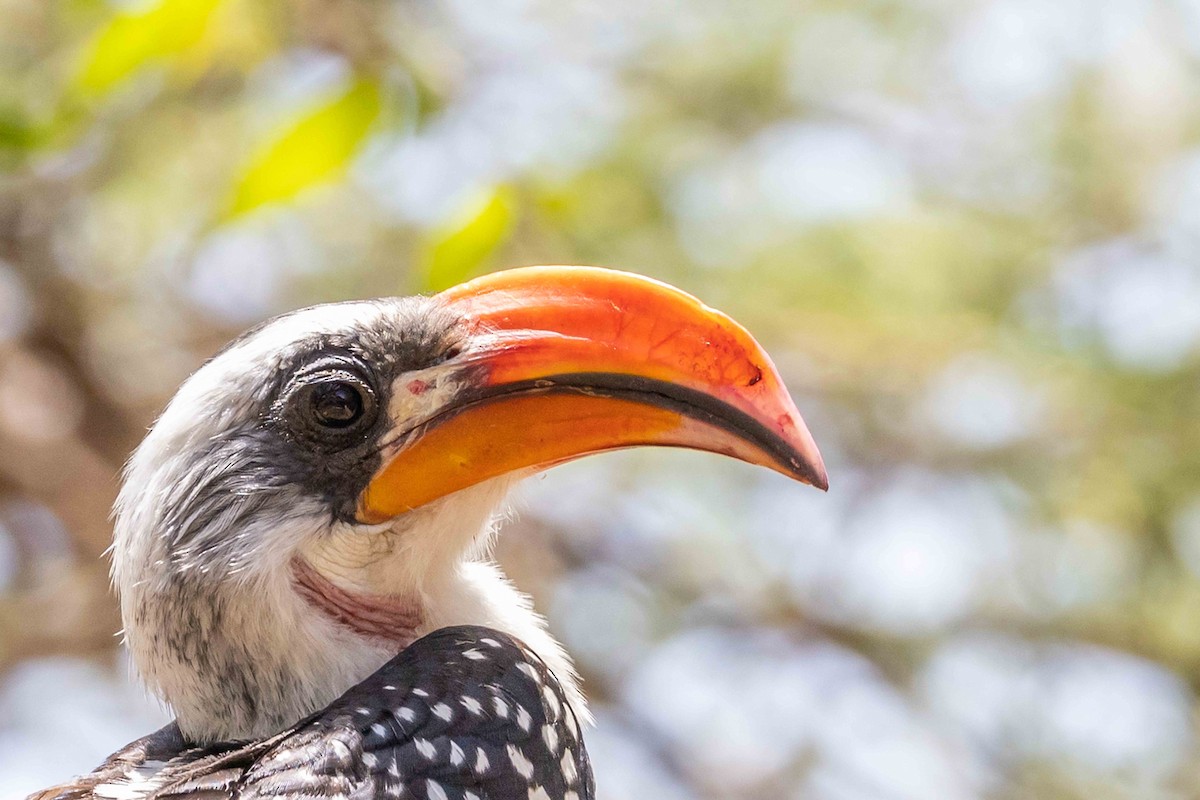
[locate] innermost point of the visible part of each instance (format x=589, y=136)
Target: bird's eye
x=337, y=404
x=331, y=403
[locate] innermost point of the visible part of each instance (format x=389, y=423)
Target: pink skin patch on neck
x=389, y=617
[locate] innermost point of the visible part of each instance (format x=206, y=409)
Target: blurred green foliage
x=315, y=149
x=968, y=229
x=135, y=39
x=457, y=248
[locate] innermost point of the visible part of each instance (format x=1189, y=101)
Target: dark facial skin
x=316, y=426
x=289, y=442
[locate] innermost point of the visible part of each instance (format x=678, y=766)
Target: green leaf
x=459, y=247
x=133, y=40
x=310, y=151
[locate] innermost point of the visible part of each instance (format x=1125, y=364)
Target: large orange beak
x=563, y=362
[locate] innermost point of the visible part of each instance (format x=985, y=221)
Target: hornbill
x=302, y=540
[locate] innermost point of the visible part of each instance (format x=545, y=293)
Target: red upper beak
x=562, y=362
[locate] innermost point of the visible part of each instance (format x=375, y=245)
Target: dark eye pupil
x=337, y=405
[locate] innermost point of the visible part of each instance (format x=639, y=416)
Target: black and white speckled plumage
x=465, y=713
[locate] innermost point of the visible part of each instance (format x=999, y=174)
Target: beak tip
x=805, y=469
x=805, y=459
x=816, y=476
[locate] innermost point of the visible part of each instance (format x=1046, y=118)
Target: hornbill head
x=322, y=491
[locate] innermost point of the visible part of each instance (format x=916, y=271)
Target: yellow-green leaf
x=458, y=247
x=313, y=150
x=132, y=40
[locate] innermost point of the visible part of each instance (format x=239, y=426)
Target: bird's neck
x=246, y=659
x=390, y=617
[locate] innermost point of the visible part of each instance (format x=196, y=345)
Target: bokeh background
x=969, y=230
